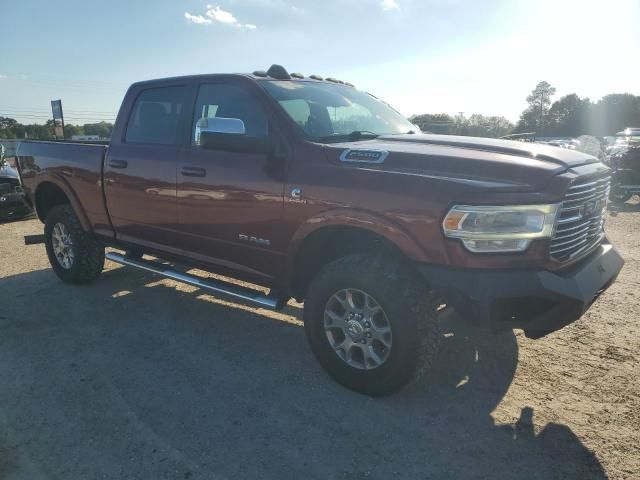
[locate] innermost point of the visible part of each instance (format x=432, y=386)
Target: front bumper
x=539, y=302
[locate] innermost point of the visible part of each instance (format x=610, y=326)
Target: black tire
x=88, y=254
x=618, y=196
x=411, y=310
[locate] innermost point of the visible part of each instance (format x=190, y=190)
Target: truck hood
x=501, y=163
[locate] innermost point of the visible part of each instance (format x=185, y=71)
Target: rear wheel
x=371, y=323
x=74, y=255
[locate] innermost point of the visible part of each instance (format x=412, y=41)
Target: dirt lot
x=136, y=377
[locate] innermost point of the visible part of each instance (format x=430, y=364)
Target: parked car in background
x=12, y=204
x=624, y=159
x=623, y=139
x=558, y=143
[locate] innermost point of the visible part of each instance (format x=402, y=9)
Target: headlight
x=501, y=228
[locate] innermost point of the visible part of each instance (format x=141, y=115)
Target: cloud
x=2, y=76
x=220, y=15
x=389, y=5
x=197, y=19
x=217, y=14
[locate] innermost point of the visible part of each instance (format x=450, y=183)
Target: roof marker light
x=278, y=72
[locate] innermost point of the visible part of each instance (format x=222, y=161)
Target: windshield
x=330, y=112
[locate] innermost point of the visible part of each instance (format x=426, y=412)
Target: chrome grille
x=581, y=218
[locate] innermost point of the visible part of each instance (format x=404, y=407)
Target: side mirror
x=229, y=134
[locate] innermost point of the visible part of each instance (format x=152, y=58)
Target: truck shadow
x=131, y=377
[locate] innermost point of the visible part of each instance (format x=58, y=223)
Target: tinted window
x=326, y=110
x=298, y=110
x=157, y=116
x=229, y=101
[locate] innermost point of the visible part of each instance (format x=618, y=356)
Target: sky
x=421, y=56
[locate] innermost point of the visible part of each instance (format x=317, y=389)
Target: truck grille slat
x=568, y=248
x=562, y=230
x=566, y=244
x=581, y=218
x=571, y=234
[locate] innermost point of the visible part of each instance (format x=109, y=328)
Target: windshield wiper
x=352, y=136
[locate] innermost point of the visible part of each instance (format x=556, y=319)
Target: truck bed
x=75, y=166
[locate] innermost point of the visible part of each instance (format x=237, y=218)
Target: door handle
x=193, y=172
x=118, y=163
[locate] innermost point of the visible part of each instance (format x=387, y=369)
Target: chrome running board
x=217, y=286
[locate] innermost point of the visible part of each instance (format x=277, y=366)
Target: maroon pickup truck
x=323, y=193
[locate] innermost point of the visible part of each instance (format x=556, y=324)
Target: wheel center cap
x=355, y=330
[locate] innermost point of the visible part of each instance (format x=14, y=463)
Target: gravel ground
x=138, y=377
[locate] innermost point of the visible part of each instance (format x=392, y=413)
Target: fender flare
x=63, y=185
x=360, y=219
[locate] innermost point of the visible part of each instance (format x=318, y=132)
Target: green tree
x=102, y=129
x=613, y=113
x=478, y=125
x=71, y=130
x=435, y=122
x=568, y=117
x=8, y=127
x=536, y=116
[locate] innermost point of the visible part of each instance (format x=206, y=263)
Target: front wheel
x=75, y=256
x=619, y=195
x=370, y=324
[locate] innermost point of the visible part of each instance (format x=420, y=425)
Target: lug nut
x=368, y=334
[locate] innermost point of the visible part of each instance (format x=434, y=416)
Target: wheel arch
x=50, y=193
x=322, y=240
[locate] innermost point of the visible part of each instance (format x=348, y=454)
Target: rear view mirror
x=229, y=134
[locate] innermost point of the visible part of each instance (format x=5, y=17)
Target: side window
x=156, y=116
x=298, y=110
x=229, y=101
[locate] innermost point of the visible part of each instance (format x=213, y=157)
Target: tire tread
x=88, y=252
x=421, y=299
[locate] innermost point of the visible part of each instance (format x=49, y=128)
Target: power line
x=66, y=114
x=41, y=110
x=68, y=119
x=79, y=117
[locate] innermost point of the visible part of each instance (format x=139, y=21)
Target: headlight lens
x=500, y=228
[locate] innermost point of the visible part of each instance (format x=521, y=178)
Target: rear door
x=230, y=204
x=140, y=168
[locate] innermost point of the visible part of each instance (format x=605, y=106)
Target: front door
x=230, y=203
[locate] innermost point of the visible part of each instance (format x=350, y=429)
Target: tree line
x=11, y=128
x=572, y=116
x=476, y=125
x=569, y=116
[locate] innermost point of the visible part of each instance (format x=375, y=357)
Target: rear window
x=157, y=116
